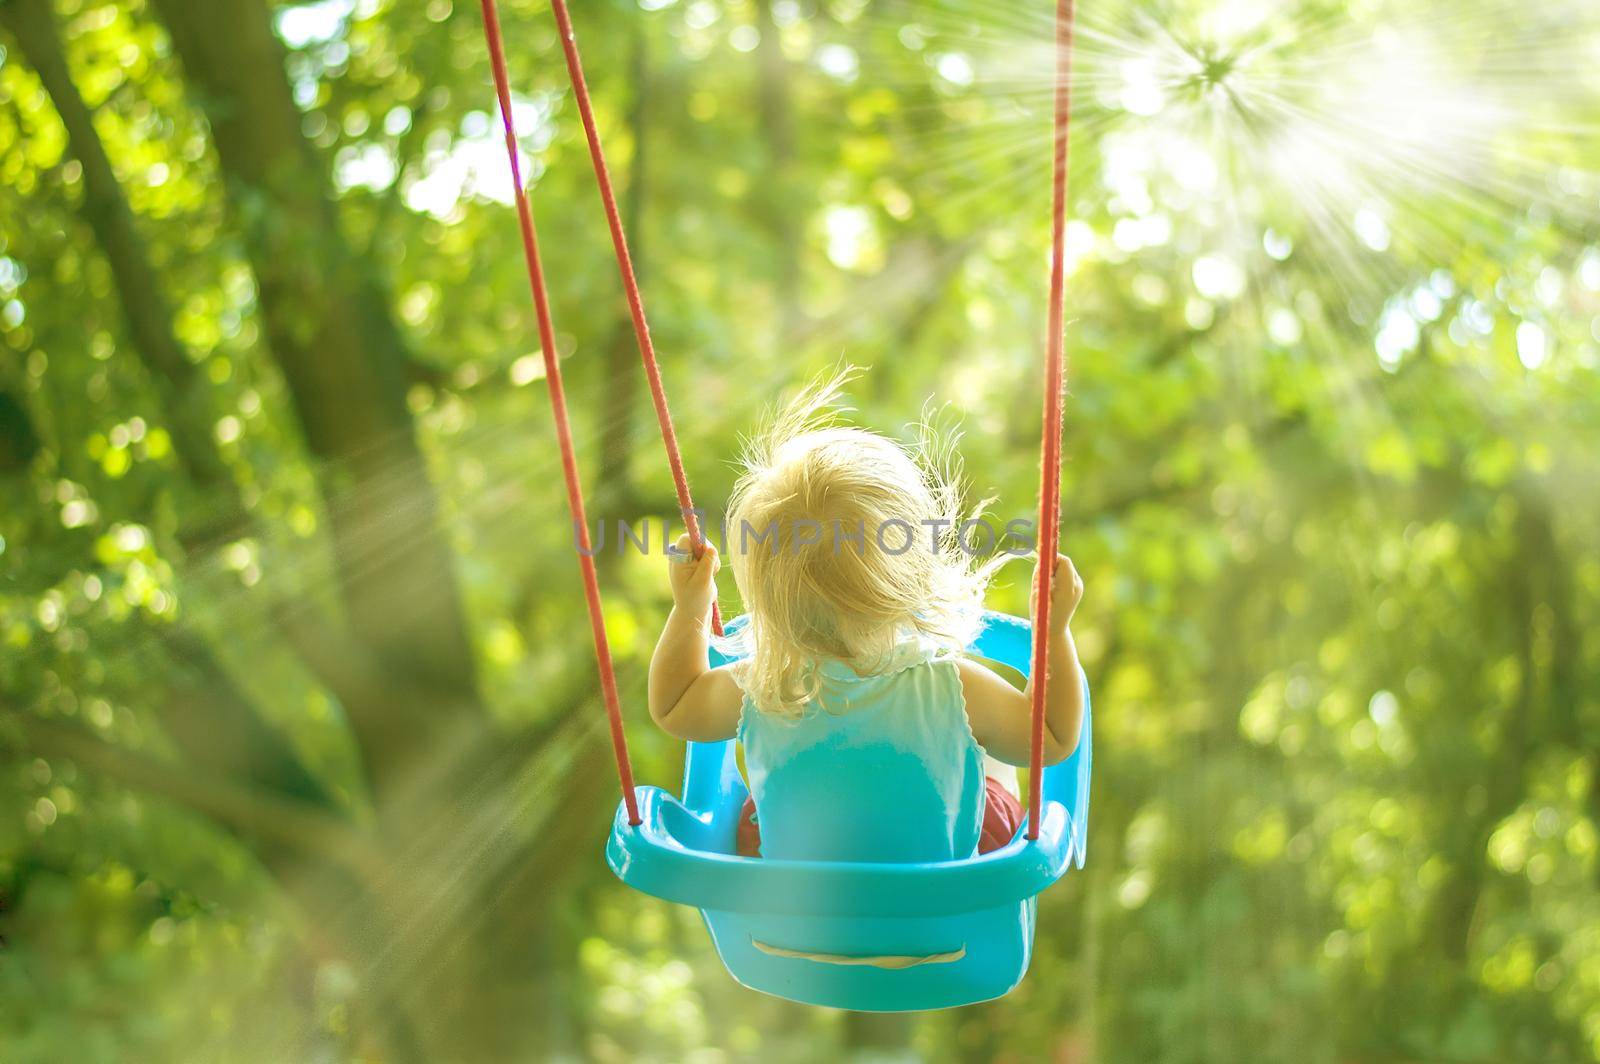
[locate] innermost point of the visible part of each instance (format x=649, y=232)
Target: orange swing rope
x=1055, y=359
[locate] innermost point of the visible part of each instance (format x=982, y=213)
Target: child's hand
x=1066, y=591
x=693, y=580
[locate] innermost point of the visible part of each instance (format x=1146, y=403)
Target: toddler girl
x=866, y=733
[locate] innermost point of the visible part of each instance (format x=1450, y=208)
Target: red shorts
x=1002, y=816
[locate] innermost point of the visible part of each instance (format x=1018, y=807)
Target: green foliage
x=1332, y=460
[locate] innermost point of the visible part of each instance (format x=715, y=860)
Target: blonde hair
x=815, y=526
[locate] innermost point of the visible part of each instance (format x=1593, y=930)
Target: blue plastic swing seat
x=872, y=937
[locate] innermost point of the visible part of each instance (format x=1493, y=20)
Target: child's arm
x=1001, y=716
x=688, y=698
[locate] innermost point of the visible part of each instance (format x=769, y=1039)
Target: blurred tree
x=303, y=757
x=18, y=442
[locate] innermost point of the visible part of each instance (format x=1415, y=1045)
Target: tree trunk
x=19, y=441
x=205, y=713
x=330, y=329
x=144, y=305
x=1534, y=572
x=776, y=113
x=619, y=395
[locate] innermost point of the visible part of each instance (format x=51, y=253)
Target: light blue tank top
x=877, y=768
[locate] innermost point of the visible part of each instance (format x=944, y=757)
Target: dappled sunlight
x=303, y=752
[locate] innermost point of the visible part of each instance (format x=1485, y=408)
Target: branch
x=385, y=713
x=19, y=441
x=774, y=98
x=613, y=486
x=286, y=823
x=216, y=724
x=337, y=662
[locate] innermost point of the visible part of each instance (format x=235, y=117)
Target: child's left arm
x=1002, y=717
x=688, y=698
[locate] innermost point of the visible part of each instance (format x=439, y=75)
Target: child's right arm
x=688, y=698
x=1002, y=717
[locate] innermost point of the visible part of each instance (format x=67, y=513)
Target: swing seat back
x=867, y=936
